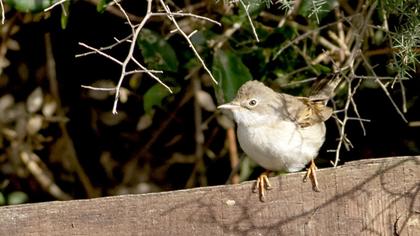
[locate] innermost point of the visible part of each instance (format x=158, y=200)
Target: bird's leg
x=311, y=173
x=262, y=184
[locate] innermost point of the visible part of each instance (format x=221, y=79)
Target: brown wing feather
x=313, y=112
x=306, y=112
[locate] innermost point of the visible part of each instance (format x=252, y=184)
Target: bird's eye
x=252, y=102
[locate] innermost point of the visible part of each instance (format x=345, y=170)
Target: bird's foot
x=262, y=185
x=311, y=173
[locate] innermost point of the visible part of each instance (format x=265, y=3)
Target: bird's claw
x=311, y=174
x=262, y=185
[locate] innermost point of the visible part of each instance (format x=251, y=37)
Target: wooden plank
x=368, y=197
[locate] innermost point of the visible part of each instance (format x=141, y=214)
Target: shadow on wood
x=367, y=197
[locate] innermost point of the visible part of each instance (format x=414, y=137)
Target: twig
x=376, y=77
x=352, y=65
x=54, y=5
x=170, y=16
x=366, y=63
x=2, y=12
x=105, y=48
x=399, y=78
x=115, y=11
x=143, y=71
x=101, y=53
x=403, y=96
x=359, y=119
x=151, y=74
x=135, y=33
x=309, y=33
x=355, y=108
x=246, y=7
x=343, y=123
x=187, y=14
x=132, y=39
x=98, y=88
x=294, y=83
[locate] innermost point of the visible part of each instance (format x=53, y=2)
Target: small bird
x=278, y=131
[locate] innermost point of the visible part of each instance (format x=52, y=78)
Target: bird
x=280, y=132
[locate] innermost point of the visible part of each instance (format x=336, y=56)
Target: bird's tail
x=324, y=89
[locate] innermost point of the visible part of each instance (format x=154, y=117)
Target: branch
x=311, y=32
x=132, y=39
x=187, y=14
x=98, y=88
x=383, y=87
x=54, y=5
x=100, y=53
x=2, y=12
x=170, y=16
x=246, y=7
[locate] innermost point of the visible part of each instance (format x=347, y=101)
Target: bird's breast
x=281, y=146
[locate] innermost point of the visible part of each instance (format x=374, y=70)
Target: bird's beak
x=229, y=106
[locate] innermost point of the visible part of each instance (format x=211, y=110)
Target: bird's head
x=254, y=104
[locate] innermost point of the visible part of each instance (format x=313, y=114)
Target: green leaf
x=230, y=72
x=156, y=51
x=154, y=97
x=2, y=199
x=17, y=197
x=102, y=5
x=30, y=5
x=65, y=15
x=246, y=169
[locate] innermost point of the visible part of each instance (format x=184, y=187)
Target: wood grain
x=368, y=197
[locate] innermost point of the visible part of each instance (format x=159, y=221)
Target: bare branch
x=246, y=7
x=54, y=5
x=132, y=40
x=118, y=42
x=2, y=12
x=171, y=17
x=126, y=15
x=343, y=124
x=135, y=33
x=309, y=33
x=98, y=88
x=187, y=14
x=376, y=77
x=143, y=71
x=101, y=53
x=151, y=75
x=384, y=88
x=355, y=108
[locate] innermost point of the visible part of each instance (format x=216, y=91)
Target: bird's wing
x=324, y=88
x=306, y=112
x=313, y=112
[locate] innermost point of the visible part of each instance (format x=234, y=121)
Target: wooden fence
x=367, y=197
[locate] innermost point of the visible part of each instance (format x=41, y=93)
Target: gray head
x=255, y=104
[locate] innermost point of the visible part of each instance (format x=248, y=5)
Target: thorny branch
x=132, y=39
x=347, y=59
x=343, y=47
